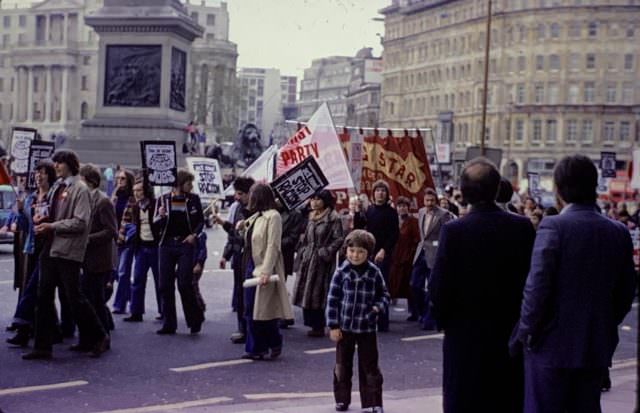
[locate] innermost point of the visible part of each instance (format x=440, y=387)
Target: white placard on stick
x=159, y=161
x=38, y=151
x=208, y=183
x=20, y=142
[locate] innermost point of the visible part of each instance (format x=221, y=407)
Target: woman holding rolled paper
x=267, y=302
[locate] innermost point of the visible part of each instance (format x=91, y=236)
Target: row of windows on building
x=39, y=84
x=614, y=93
x=468, y=43
x=472, y=10
x=39, y=113
x=552, y=63
x=547, y=131
x=211, y=18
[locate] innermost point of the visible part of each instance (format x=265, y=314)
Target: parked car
x=7, y=200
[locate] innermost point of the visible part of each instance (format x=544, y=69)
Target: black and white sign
x=608, y=164
x=534, y=183
x=299, y=183
x=159, y=160
x=208, y=182
x=20, y=142
x=38, y=151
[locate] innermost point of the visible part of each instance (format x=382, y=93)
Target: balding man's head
x=479, y=182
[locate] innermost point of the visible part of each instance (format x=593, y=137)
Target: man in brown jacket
x=67, y=237
x=100, y=257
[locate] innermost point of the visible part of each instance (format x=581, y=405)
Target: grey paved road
x=137, y=372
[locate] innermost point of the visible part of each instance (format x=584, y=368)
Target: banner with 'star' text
x=399, y=161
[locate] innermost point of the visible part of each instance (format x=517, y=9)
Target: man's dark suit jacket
x=579, y=289
x=101, y=249
x=476, y=290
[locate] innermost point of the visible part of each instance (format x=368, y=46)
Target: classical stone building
x=564, y=76
x=48, y=66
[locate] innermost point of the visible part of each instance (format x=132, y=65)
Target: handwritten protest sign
x=300, y=183
x=38, y=151
x=208, y=182
x=20, y=141
x=318, y=139
x=159, y=160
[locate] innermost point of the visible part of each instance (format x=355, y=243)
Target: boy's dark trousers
x=369, y=375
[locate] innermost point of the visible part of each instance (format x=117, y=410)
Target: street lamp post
x=487, y=45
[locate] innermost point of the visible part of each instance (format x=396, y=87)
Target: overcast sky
x=289, y=34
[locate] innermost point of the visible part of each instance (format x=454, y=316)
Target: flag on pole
x=320, y=140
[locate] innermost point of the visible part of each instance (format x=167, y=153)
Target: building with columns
x=48, y=66
x=564, y=76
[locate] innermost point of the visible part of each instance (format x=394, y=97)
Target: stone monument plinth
x=145, y=48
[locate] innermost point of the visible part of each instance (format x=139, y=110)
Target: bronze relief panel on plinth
x=178, y=80
x=133, y=75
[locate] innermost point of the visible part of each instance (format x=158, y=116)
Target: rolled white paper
x=253, y=282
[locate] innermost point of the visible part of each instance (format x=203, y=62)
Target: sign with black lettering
x=38, y=151
x=299, y=183
x=20, y=141
x=208, y=182
x=159, y=160
x=608, y=164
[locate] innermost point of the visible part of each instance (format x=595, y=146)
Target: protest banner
x=299, y=183
x=159, y=162
x=38, y=151
x=608, y=164
x=20, y=141
x=318, y=139
x=399, y=161
x=208, y=177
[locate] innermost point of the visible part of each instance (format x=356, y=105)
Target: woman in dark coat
x=317, y=260
x=402, y=260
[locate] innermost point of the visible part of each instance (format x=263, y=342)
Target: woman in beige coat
x=262, y=258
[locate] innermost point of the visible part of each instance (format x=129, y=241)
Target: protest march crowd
x=529, y=299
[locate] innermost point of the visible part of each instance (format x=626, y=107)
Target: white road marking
x=6, y=282
x=18, y=390
x=218, y=271
x=623, y=364
x=425, y=337
x=321, y=351
x=268, y=396
x=211, y=365
x=634, y=305
x=172, y=406
x=625, y=328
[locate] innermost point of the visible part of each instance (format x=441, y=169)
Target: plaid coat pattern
x=352, y=297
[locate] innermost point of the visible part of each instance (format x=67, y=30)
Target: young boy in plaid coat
x=357, y=296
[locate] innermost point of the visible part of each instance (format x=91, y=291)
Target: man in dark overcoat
x=476, y=289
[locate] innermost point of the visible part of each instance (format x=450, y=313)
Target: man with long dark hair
x=179, y=221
